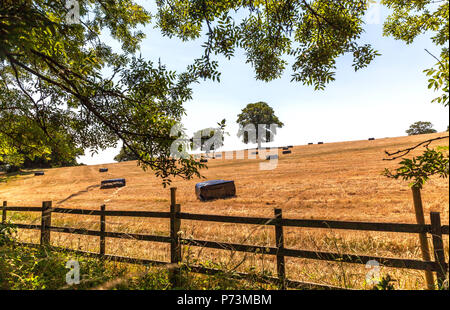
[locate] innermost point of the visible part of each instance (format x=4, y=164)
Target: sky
x=379, y=101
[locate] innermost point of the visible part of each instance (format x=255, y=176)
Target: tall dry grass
x=336, y=181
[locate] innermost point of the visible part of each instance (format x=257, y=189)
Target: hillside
x=333, y=181
x=340, y=181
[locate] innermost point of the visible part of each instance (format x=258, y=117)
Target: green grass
x=26, y=268
x=39, y=268
x=6, y=177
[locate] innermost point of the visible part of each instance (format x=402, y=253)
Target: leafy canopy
x=312, y=33
x=67, y=71
x=411, y=18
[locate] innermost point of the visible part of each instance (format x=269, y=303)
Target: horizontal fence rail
x=113, y=213
x=317, y=255
x=346, y=225
x=439, y=265
x=382, y=227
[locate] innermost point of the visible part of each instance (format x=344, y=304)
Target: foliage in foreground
x=32, y=268
x=420, y=168
x=26, y=268
x=52, y=71
x=36, y=268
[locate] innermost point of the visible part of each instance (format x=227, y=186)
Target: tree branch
x=401, y=153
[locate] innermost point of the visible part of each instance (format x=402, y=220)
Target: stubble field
x=334, y=181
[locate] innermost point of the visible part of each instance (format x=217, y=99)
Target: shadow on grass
x=215, y=199
x=78, y=193
x=5, y=177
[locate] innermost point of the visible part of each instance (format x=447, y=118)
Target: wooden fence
x=439, y=265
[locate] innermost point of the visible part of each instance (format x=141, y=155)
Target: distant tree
x=125, y=155
x=209, y=139
x=254, y=118
x=57, y=158
x=419, y=128
x=24, y=144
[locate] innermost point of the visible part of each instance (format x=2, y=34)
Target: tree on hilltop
x=419, y=128
x=209, y=139
x=258, y=123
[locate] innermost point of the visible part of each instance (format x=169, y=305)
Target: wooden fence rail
x=439, y=265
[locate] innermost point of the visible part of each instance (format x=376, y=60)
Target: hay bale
x=290, y=146
x=203, y=160
x=39, y=173
x=269, y=157
x=310, y=143
x=287, y=152
x=215, y=189
x=103, y=170
x=371, y=139
x=285, y=147
x=111, y=183
x=320, y=143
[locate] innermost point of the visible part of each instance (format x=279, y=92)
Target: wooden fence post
x=279, y=239
x=418, y=207
x=102, y=229
x=438, y=246
x=4, y=212
x=46, y=222
x=175, y=246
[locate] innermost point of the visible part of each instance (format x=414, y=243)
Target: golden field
x=334, y=181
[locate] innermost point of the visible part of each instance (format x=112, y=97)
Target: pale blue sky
x=379, y=101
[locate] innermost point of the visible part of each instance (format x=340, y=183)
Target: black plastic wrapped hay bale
x=111, y=183
x=215, y=189
x=371, y=139
x=310, y=143
x=103, y=170
x=285, y=147
x=271, y=157
x=290, y=146
x=320, y=143
x=39, y=173
x=287, y=152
